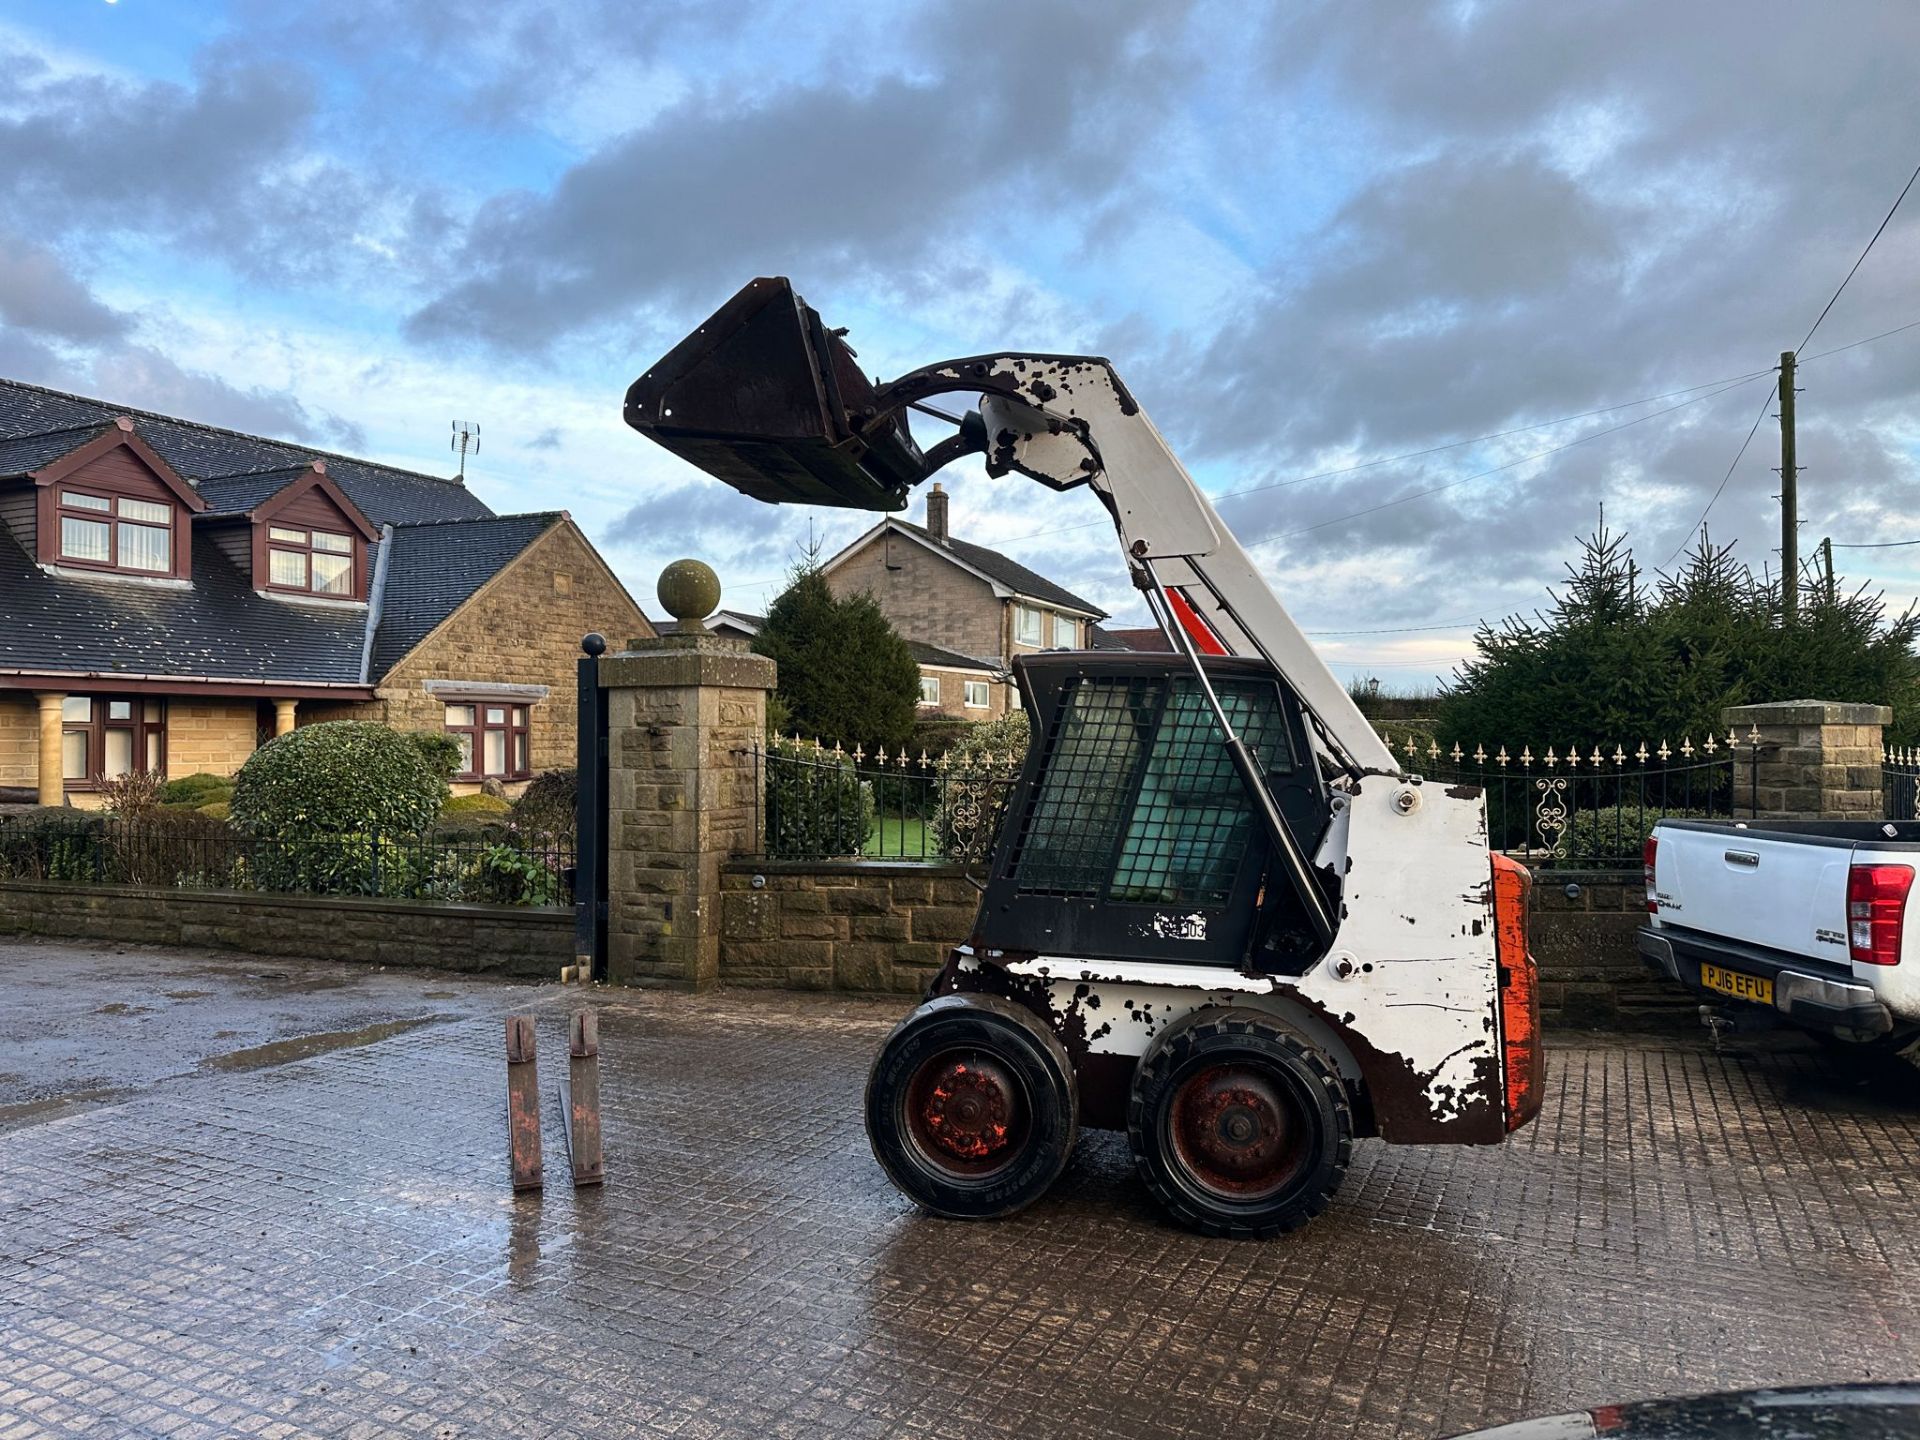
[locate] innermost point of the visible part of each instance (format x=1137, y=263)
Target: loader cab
x=1129, y=835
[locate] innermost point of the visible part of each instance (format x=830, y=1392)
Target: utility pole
x=1789, y=498
x=1826, y=555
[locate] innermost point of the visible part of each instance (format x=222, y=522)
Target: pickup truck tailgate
x=1782, y=892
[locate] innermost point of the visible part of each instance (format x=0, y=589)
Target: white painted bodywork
x=1782, y=892
x=1413, y=970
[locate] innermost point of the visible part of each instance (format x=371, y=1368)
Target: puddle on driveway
x=305, y=1047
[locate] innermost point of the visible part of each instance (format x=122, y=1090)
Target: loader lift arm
x=766, y=398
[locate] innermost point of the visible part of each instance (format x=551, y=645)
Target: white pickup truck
x=1804, y=920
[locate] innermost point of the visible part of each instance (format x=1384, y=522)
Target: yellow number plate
x=1741, y=987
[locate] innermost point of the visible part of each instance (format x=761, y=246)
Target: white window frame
x=1071, y=626
x=980, y=688
x=1025, y=633
x=929, y=689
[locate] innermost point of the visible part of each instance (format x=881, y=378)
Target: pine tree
x=846, y=676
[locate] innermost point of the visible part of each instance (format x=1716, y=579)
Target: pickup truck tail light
x=1648, y=852
x=1877, y=911
x=1523, y=1062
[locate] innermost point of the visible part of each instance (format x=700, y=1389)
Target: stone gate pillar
x=1817, y=760
x=684, y=712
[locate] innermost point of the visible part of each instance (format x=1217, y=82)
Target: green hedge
x=817, y=806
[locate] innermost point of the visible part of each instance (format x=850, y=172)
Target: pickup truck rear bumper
x=1819, y=1001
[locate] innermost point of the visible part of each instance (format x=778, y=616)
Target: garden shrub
x=331, y=805
x=196, y=790
x=441, y=750
x=132, y=795
x=817, y=808
x=974, y=785
x=216, y=809
x=476, y=805
x=548, y=805
x=1606, y=837
x=338, y=777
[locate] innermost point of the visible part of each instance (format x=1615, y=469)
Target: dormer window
x=116, y=532
x=318, y=562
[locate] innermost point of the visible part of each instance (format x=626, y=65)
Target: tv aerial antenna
x=465, y=442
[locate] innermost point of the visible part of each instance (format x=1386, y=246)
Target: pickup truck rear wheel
x=1240, y=1125
x=971, y=1107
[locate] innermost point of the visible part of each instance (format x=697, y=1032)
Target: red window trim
x=110, y=517
x=353, y=552
x=477, y=734
x=95, y=729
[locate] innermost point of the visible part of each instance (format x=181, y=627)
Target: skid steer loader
x=1218, y=916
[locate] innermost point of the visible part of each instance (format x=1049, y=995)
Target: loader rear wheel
x=971, y=1107
x=1240, y=1125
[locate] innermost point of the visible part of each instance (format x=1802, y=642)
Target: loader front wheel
x=971, y=1107
x=1240, y=1126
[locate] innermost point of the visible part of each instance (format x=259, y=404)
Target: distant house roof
x=740, y=622
x=925, y=654
x=990, y=565
x=1146, y=637
x=1003, y=570
x=435, y=568
x=38, y=425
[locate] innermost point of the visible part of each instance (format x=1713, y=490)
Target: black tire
x=971, y=1107
x=1240, y=1126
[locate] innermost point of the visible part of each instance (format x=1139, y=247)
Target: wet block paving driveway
x=269, y=1198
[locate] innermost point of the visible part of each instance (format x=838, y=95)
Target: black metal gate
x=590, y=880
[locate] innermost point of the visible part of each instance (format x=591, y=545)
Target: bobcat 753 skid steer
x=1218, y=916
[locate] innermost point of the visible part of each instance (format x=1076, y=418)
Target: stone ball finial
x=689, y=590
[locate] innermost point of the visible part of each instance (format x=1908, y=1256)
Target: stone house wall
x=521, y=628
x=953, y=695
x=925, y=597
x=19, y=739
x=213, y=737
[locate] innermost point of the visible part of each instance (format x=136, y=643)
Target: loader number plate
x=1739, y=986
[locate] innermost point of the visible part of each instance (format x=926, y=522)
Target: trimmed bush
x=547, y=805
x=196, y=790
x=215, y=809
x=817, y=806
x=475, y=805
x=338, y=777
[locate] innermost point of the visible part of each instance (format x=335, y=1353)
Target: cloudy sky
x=1314, y=245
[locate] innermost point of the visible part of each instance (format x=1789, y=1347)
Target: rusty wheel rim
x=966, y=1113
x=1238, y=1131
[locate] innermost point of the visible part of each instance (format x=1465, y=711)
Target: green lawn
x=894, y=838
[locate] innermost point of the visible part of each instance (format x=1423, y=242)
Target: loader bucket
x=764, y=397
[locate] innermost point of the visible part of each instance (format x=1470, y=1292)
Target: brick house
x=172, y=594
x=966, y=610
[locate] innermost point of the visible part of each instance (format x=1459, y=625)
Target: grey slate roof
x=434, y=568
x=446, y=544
x=217, y=628
x=1010, y=573
x=925, y=654
x=241, y=493
x=206, y=453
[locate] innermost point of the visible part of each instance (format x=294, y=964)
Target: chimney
x=937, y=513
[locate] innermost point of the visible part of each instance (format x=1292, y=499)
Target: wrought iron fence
x=1584, y=806
x=1592, y=806
x=825, y=803
x=1900, y=782
x=505, y=867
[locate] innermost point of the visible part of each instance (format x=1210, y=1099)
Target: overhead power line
x=1419, y=454
x=1863, y=255
x=1509, y=465
x=1739, y=455
x=1875, y=544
